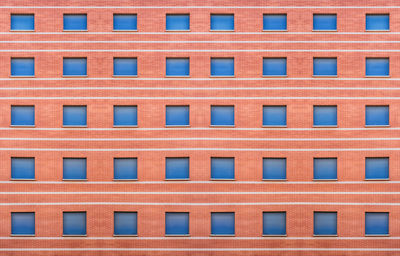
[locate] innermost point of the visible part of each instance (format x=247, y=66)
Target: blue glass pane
x=125, y=115
x=74, y=115
x=178, y=22
x=176, y=223
x=75, y=22
x=274, y=223
x=377, y=168
x=177, y=168
x=222, y=115
x=177, y=67
x=376, y=223
x=22, y=67
x=125, y=22
x=222, y=67
x=23, y=223
x=274, y=67
x=125, y=168
x=222, y=22
x=377, y=67
x=376, y=115
x=22, y=22
x=74, y=223
x=325, y=115
x=377, y=22
x=125, y=223
x=23, y=168
x=325, y=223
x=325, y=168
x=74, y=67
x=274, y=22
x=22, y=115
x=325, y=67
x=274, y=168
x=223, y=223
x=74, y=168
x=274, y=115
x=177, y=115
x=222, y=168
x=125, y=66
x=324, y=22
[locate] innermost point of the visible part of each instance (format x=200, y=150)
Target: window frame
x=27, y=235
x=188, y=170
x=125, y=30
x=127, y=58
x=22, y=58
x=326, y=58
x=76, y=58
x=234, y=224
x=388, y=169
x=274, y=30
x=272, y=235
x=177, y=125
x=222, y=76
x=222, y=179
x=377, y=235
x=79, y=125
x=177, y=58
x=325, y=30
x=122, y=126
x=22, y=125
x=274, y=158
x=273, y=125
x=74, y=30
x=22, y=30
x=376, y=30
x=222, y=125
x=176, y=30
x=377, y=58
x=165, y=224
x=325, y=158
x=223, y=30
x=325, y=125
x=137, y=169
x=274, y=58
x=63, y=224
x=126, y=235
x=376, y=125
x=86, y=169
x=23, y=179
x=325, y=235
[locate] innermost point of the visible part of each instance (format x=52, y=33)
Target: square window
x=74, y=115
x=325, y=168
x=274, y=115
x=22, y=67
x=376, y=223
x=274, y=22
x=324, y=22
x=22, y=115
x=377, y=115
x=325, y=67
x=22, y=22
x=74, y=223
x=177, y=223
x=325, y=223
x=222, y=168
x=377, y=168
x=223, y=115
x=22, y=168
x=177, y=22
x=177, y=115
x=222, y=22
x=177, y=168
x=23, y=223
x=274, y=66
x=125, y=168
x=377, y=22
x=177, y=67
x=75, y=22
x=125, y=223
x=222, y=223
x=325, y=116
x=377, y=66
x=222, y=67
x=74, y=67
x=125, y=22
x=125, y=66
x=274, y=223
x=74, y=168
x=274, y=169
x=125, y=115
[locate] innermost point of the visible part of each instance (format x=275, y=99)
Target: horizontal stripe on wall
x=198, y=193
x=200, y=98
x=199, y=88
x=201, y=50
x=199, y=7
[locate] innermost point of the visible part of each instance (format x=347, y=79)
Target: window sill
x=317, y=180
x=177, y=126
x=74, y=126
x=222, y=76
x=22, y=30
x=75, y=30
x=382, y=30
x=278, y=30
x=325, y=235
x=211, y=30
x=121, y=30
x=377, y=76
x=377, y=179
x=114, y=235
x=13, y=235
x=73, y=180
x=74, y=235
x=325, y=126
x=384, y=235
x=272, y=76
x=374, y=126
x=178, y=30
x=186, y=235
x=222, y=179
x=69, y=76
x=227, y=235
x=274, y=180
x=177, y=76
x=222, y=126
x=274, y=126
x=22, y=126
x=124, y=76
x=325, y=30
x=325, y=76
x=124, y=180
x=266, y=236
x=22, y=179
x=125, y=126
x=22, y=76
x=177, y=179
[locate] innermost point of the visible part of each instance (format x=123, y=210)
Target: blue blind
x=377, y=22
x=377, y=66
x=274, y=22
x=222, y=168
x=325, y=168
x=23, y=168
x=22, y=67
x=74, y=115
x=75, y=22
x=325, y=66
x=22, y=115
x=178, y=22
x=377, y=168
x=377, y=115
x=325, y=223
x=222, y=115
x=274, y=223
x=274, y=168
x=274, y=115
x=125, y=115
x=74, y=223
x=177, y=115
x=74, y=67
x=176, y=223
x=23, y=223
x=325, y=115
x=177, y=67
x=324, y=22
x=22, y=22
x=376, y=223
x=222, y=22
x=222, y=223
x=222, y=67
x=125, y=223
x=125, y=66
x=74, y=168
x=274, y=67
x=125, y=22
x=125, y=168
x=177, y=168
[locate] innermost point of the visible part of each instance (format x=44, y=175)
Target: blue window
x=377, y=22
x=22, y=67
x=377, y=66
x=74, y=168
x=177, y=67
x=324, y=22
x=127, y=22
x=325, y=67
x=274, y=66
x=125, y=168
x=125, y=66
x=222, y=223
x=176, y=223
x=125, y=115
x=274, y=116
x=125, y=223
x=177, y=168
x=274, y=168
x=23, y=223
x=22, y=115
x=178, y=22
x=74, y=67
x=75, y=22
x=222, y=168
x=376, y=223
x=274, y=22
x=377, y=115
x=325, y=223
x=74, y=115
x=325, y=168
x=223, y=115
x=377, y=168
x=22, y=22
x=177, y=115
x=222, y=67
x=23, y=168
x=274, y=223
x=74, y=223
x=325, y=116
x=222, y=22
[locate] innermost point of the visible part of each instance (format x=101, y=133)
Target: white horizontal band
x=201, y=50
x=197, y=193
x=201, y=98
